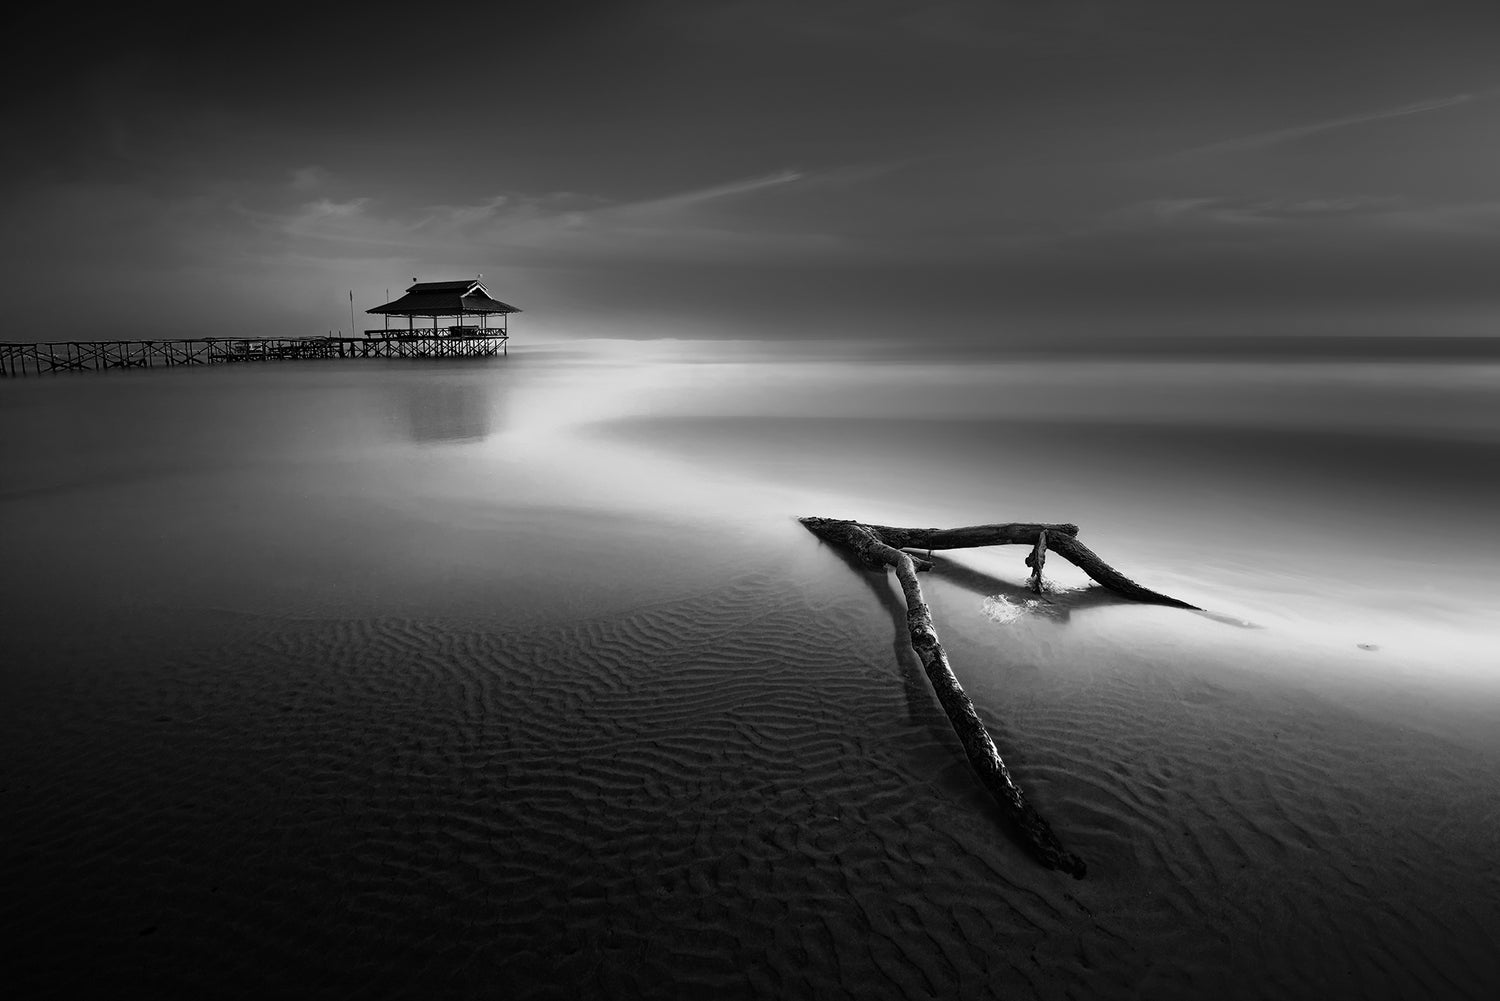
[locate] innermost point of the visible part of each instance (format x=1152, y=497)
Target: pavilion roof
x=444, y=299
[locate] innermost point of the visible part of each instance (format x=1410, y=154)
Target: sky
x=1073, y=174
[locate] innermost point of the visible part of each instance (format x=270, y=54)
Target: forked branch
x=879, y=546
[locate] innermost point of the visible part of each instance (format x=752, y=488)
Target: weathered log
x=1061, y=539
x=983, y=756
x=972, y=537
x=1084, y=559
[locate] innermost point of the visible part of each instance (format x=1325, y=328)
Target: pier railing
x=52, y=357
x=463, y=333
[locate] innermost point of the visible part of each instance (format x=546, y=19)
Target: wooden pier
x=52, y=357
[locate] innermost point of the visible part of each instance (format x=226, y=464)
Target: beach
x=519, y=678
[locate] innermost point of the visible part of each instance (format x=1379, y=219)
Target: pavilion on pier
x=474, y=312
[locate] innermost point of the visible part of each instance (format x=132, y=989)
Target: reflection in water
x=1006, y=602
x=448, y=410
x=1228, y=620
x=914, y=682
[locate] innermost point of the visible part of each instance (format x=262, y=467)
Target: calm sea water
x=1347, y=501
x=302, y=662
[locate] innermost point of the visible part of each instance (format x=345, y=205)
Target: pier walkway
x=52, y=357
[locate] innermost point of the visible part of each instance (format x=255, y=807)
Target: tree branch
x=984, y=757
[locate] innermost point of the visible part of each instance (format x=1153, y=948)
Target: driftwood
x=879, y=546
x=1061, y=539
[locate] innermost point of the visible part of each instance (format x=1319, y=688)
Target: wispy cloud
x=696, y=224
x=1453, y=219
x=717, y=192
x=309, y=178
x=1264, y=140
x=1221, y=211
x=1367, y=218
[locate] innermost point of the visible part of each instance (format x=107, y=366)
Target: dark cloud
x=968, y=170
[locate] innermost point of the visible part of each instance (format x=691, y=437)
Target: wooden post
x=1036, y=559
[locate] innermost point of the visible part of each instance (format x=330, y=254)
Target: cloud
x=941, y=26
x=308, y=178
x=1455, y=219
x=1366, y=216
x=1223, y=211
x=1264, y=140
x=717, y=192
x=693, y=225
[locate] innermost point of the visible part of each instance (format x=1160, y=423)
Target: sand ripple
x=745, y=794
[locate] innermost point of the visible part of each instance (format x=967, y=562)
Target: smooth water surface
x=521, y=677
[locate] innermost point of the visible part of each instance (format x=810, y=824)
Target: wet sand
x=429, y=707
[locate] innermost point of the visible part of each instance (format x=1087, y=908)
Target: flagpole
x=351, y=312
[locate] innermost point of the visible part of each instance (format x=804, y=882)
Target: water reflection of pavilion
x=448, y=409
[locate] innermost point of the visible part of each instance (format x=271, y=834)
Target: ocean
x=519, y=676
